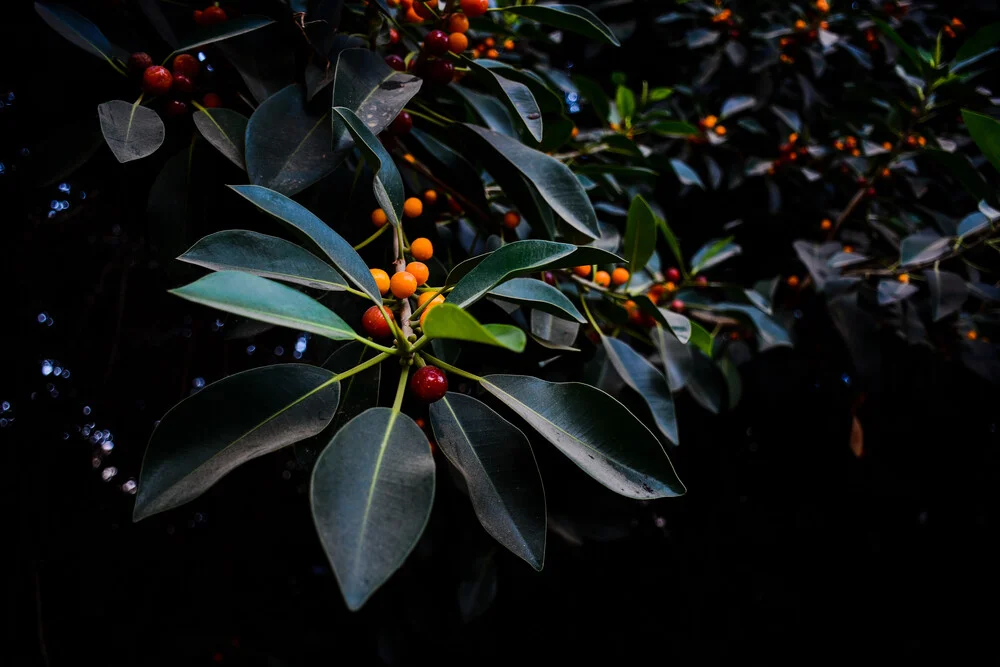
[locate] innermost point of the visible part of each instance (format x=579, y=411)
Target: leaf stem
x=429, y=119
x=378, y=233
x=401, y=389
x=377, y=359
x=448, y=367
x=374, y=345
x=590, y=318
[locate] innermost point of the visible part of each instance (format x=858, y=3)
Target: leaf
x=961, y=169
x=714, y=252
x=488, y=109
x=788, y=117
x=976, y=47
x=593, y=93
x=891, y=291
x=131, y=131
x=910, y=52
x=372, y=491
x=673, y=128
x=706, y=385
x=769, y=333
x=79, y=30
x=948, y=293
x=736, y=104
x=266, y=256
x=264, y=70
x=219, y=32
x=387, y=183
x=594, y=430
x=668, y=234
x=537, y=294
x=548, y=100
x=553, y=332
x=301, y=219
x=985, y=131
x=640, y=234
x=518, y=258
x=699, y=37
x=448, y=163
x=448, y=321
x=266, y=301
x=567, y=17
x=625, y=101
x=500, y=472
x=924, y=246
x=288, y=147
x=226, y=130
x=558, y=187
x=676, y=357
x=972, y=223
x=514, y=94
x=645, y=380
x=228, y=423
x=685, y=174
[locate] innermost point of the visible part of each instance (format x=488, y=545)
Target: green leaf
x=701, y=338
x=685, y=174
x=677, y=323
x=226, y=130
x=517, y=259
x=514, y=94
x=640, y=234
x=976, y=47
x=910, y=52
x=714, y=252
x=372, y=490
x=948, y=293
x=553, y=332
x=646, y=381
x=618, y=170
x=924, y=246
x=287, y=144
x=675, y=247
x=985, y=132
x=735, y=105
x=594, y=430
x=500, y=472
x=548, y=101
x=673, y=128
x=706, y=383
x=450, y=165
x=448, y=321
x=79, y=30
x=568, y=17
x=659, y=94
x=960, y=168
x=265, y=301
x=387, y=183
x=769, y=333
x=219, y=32
x=537, y=294
x=266, y=256
x=228, y=423
x=301, y=219
x=625, y=100
x=488, y=109
x=593, y=93
x=131, y=131
x=675, y=355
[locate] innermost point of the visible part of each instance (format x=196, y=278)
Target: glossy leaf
x=616, y=450
x=714, y=252
x=518, y=258
x=131, y=131
x=264, y=70
x=673, y=128
x=266, y=301
x=676, y=357
x=301, y=219
x=209, y=34
x=958, y=166
x=451, y=165
x=490, y=111
x=448, y=321
x=568, y=17
x=625, y=101
x=266, y=256
x=922, y=247
x=891, y=291
x=537, y=294
x=646, y=381
x=517, y=96
x=640, y=234
x=685, y=174
x=948, y=293
x=226, y=130
x=769, y=333
x=735, y=105
x=908, y=50
x=985, y=131
x=593, y=93
x=548, y=101
x=372, y=490
x=706, y=384
x=500, y=472
x=553, y=332
x=79, y=30
x=978, y=46
x=228, y=423
x=387, y=183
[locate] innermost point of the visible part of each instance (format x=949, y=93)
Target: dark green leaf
x=673, y=128
x=131, y=131
x=985, y=132
x=948, y=293
x=448, y=321
x=593, y=93
x=891, y=291
x=640, y=234
x=910, y=52
x=264, y=69
x=499, y=469
x=372, y=491
x=618, y=170
x=645, y=380
x=769, y=333
x=734, y=105
x=226, y=130
x=489, y=110
x=977, y=46
x=514, y=94
x=676, y=357
x=706, y=384
x=960, y=168
x=701, y=338
x=387, y=184
x=547, y=100
x=568, y=17
x=594, y=430
x=714, y=252
x=922, y=247
x=537, y=294
x=228, y=423
x=447, y=163
x=218, y=32
x=553, y=332
x=675, y=247
x=79, y=30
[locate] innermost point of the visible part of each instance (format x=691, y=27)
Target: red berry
x=429, y=384
x=157, y=80
x=870, y=192
x=182, y=84
x=549, y=278
x=212, y=15
x=395, y=62
x=439, y=72
x=677, y=305
x=139, y=63
x=211, y=101
x=187, y=65
x=374, y=322
x=474, y=8
x=701, y=280
x=393, y=36
x=673, y=275
x=402, y=124
x=425, y=9
x=436, y=43
x=176, y=108
x=199, y=17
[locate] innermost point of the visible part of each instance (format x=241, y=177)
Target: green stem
x=416, y=314
x=423, y=340
x=448, y=367
x=378, y=233
x=590, y=318
x=401, y=389
x=429, y=119
x=361, y=367
x=376, y=346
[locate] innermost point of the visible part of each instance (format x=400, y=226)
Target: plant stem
x=377, y=359
x=401, y=389
x=448, y=367
x=404, y=308
x=428, y=118
x=376, y=346
x=590, y=318
x=378, y=233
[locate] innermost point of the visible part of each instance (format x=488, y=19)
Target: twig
x=851, y=205
x=404, y=307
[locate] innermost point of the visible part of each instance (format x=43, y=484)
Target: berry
x=374, y=322
x=413, y=207
x=492, y=53
x=402, y=124
x=458, y=23
x=176, y=108
x=582, y=271
x=430, y=196
x=457, y=42
x=429, y=384
x=870, y=192
x=381, y=280
x=403, y=284
x=708, y=122
x=393, y=36
x=419, y=271
x=508, y=45
x=677, y=305
x=474, y=8
x=395, y=62
x=379, y=217
x=489, y=42
x=421, y=249
x=793, y=281
x=212, y=15
x=826, y=224
x=436, y=43
x=187, y=65
x=602, y=278
x=138, y=63
x=904, y=278
x=425, y=10
x=182, y=84
x=673, y=275
x=426, y=296
x=439, y=72
x=157, y=80
x=211, y=101
x=199, y=17
x=549, y=278
x=408, y=157
x=433, y=304
x=511, y=219
x=619, y=276
x=720, y=130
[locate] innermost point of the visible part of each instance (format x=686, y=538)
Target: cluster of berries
x=179, y=81
x=726, y=16
x=487, y=48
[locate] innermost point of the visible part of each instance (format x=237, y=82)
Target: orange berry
x=458, y=22
x=787, y=59
x=420, y=422
x=492, y=53
x=620, y=276
x=474, y=8
x=839, y=145
x=574, y=132
x=511, y=219
x=457, y=42
x=886, y=173
x=615, y=126
x=851, y=142
x=972, y=335
x=426, y=296
x=949, y=32
x=848, y=249
x=793, y=137
x=903, y=278
x=793, y=281
x=412, y=16
x=823, y=5
x=720, y=130
x=709, y=121
x=957, y=22
x=379, y=217
x=422, y=249
x=433, y=304
x=800, y=25
x=489, y=42
x=855, y=152
x=413, y=207
x=419, y=271
x=582, y=271
x=887, y=145
x=430, y=196
x=508, y=45
x=381, y=280
x=922, y=141
x=408, y=157
x=826, y=224
x=825, y=25
x=403, y=284
x=602, y=278
x=630, y=305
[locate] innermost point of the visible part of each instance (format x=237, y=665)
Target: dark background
x=787, y=546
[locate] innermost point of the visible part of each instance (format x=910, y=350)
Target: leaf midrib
x=371, y=490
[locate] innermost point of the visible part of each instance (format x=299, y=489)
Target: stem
x=404, y=308
x=376, y=346
x=401, y=389
x=858, y=196
x=448, y=367
x=361, y=367
x=378, y=233
x=429, y=119
x=590, y=318
x=423, y=340
x=416, y=314
x=466, y=204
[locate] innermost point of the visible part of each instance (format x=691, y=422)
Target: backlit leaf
x=131, y=131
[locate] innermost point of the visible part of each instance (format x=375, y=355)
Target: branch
x=404, y=307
